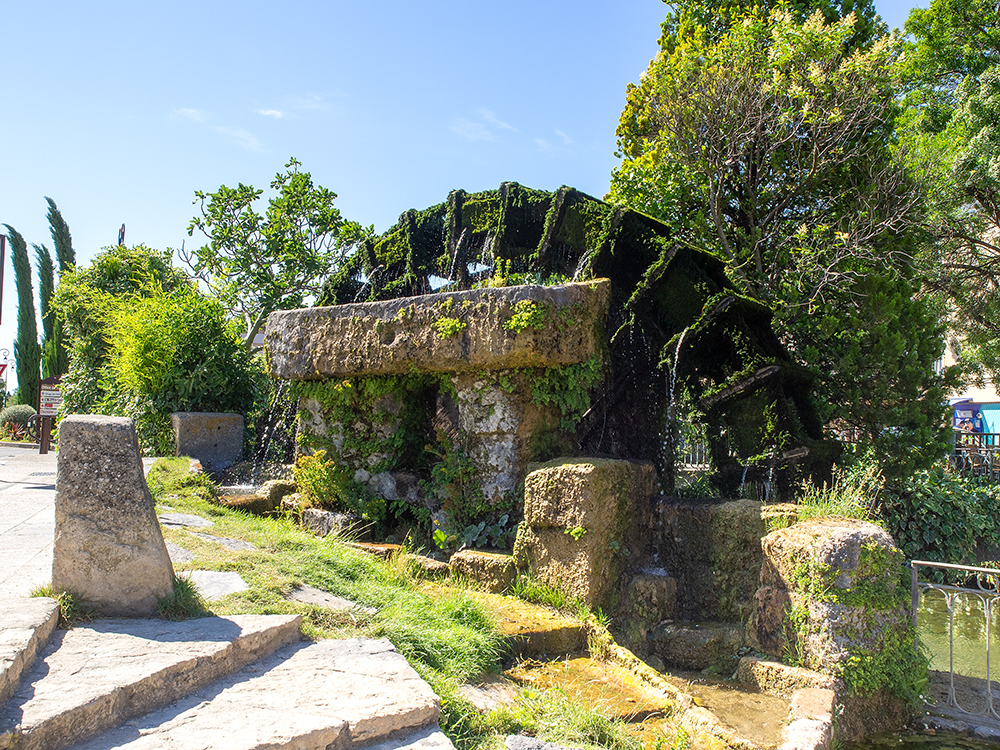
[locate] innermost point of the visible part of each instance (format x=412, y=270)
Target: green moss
x=527, y=314
x=567, y=388
x=448, y=327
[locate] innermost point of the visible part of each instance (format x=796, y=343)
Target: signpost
x=49, y=401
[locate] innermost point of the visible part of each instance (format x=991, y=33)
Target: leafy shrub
x=941, y=517
x=17, y=414
x=146, y=342
x=325, y=483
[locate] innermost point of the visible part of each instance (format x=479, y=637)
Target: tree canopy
x=771, y=143
x=256, y=263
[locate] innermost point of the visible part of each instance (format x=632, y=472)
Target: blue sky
x=119, y=111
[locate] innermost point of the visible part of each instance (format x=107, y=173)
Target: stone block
x=829, y=595
x=108, y=547
x=494, y=572
x=582, y=518
x=397, y=336
x=775, y=678
x=698, y=645
x=590, y=493
x=831, y=543
x=215, y=439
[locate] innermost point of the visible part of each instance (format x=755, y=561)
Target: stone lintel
x=445, y=332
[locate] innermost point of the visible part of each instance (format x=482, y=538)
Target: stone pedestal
x=108, y=547
x=830, y=600
x=215, y=439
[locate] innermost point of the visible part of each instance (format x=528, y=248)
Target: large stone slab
x=581, y=522
x=447, y=332
x=25, y=626
x=108, y=547
x=214, y=438
x=337, y=693
x=92, y=677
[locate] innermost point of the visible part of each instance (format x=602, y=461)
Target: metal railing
x=987, y=594
x=976, y=454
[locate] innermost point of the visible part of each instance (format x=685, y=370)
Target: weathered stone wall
x=712, y=548
x=460, y=380
x=108, y=547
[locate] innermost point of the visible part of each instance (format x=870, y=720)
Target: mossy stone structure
x=682, y=341
x=830, y=599
x=475, y=376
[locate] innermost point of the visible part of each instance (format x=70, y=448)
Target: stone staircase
x=244, y=682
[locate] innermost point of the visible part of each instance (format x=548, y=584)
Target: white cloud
x=191, y=114
x=567, y=141
x=493, y=120
x=308, y=102
x=275, y=113
x=544, y=145
x=472, y=131
x=241, y=138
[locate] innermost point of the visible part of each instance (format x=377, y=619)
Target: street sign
x=50, y=401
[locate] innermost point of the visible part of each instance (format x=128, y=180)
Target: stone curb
x=27, y=625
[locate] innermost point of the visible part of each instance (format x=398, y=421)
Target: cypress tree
x=46, y=288
x=61, y=238
x=27, y=352
x=58, y=357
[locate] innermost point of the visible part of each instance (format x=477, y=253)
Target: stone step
x=336, y=693
x=697, y=645
x=93, y=677
x=25, y=627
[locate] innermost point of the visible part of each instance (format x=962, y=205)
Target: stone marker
x=215, y=439
x=108, y=548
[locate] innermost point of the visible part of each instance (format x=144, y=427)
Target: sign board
x=50, y=403
x=3, y=367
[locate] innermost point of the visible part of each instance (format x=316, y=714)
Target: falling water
x=743, y=480
x=669, y=439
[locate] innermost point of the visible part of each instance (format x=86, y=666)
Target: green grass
x=71, y=611
x=448, y=637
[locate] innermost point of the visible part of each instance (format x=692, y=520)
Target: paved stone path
x=27, y=519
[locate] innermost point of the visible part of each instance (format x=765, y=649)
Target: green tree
x=716, y=17
x=27, y=352
x=257, y=263
x=950, y=132
x=146, y=342
x=46, y=288
x=58, y=351
x=85, y=302
x=771, y=143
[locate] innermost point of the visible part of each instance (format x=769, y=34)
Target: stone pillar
x=830, y=601
x=108, y=547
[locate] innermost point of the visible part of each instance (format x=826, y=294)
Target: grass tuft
x=72, y=611
x=185, y=603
